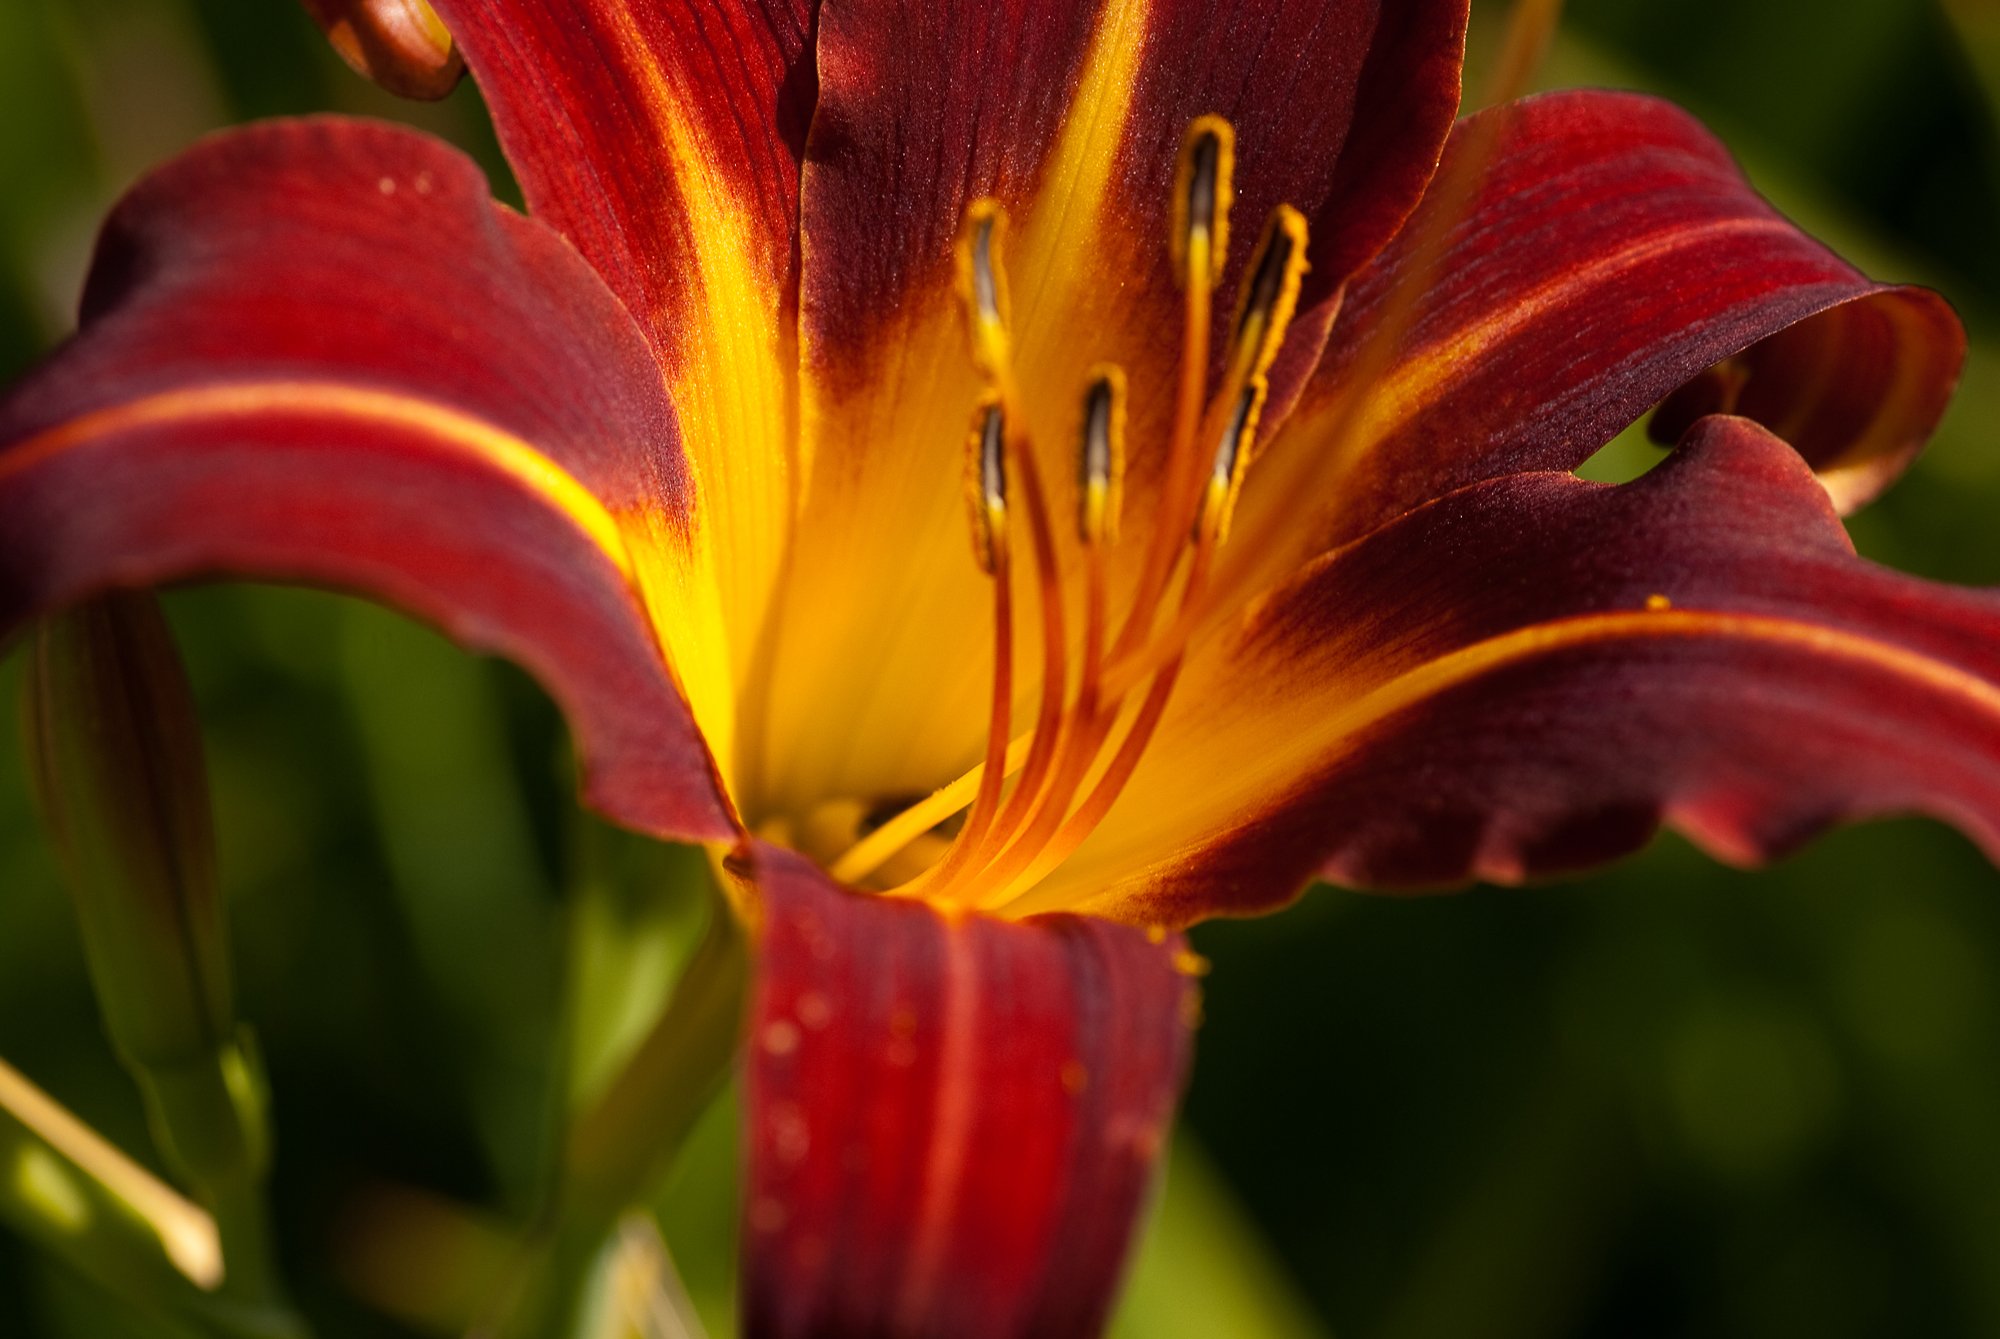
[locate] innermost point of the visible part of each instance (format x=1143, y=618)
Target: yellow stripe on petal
x=1424, y=374
x=1268, y=758
x=730, y=350
x=1057, y=245
x=460, y=432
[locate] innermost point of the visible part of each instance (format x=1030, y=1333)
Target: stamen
x=987, y=481
x=1111, y=785
x=1264, y=315
x=1232, y=462
x=1101, y=463
x=1271, y=298
x=986, y=486
x=1049, y=721
x=1235, y=453
x=983, y=285
x=875, y=849
x=1036, y=852
x=1204, y=188
x=1009, y=841
x=990, y=331
x=1198, y=241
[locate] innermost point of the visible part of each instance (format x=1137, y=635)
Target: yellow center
x=991, y=835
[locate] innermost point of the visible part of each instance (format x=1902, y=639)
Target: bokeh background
x=1668, y=1100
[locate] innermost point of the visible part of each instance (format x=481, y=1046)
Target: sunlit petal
x=1530, y=674
x=663, y=141
x=1614, y=252
x=316, y=351
x=951, y=1123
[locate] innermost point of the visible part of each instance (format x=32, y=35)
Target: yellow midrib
x=1454, y=669
x=469, y=436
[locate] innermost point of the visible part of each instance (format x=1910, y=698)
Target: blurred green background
x=1670, y=1100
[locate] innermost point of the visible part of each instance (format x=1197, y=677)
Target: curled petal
x=1613, y=253
x=951, y=1123
x=400, y=44
x=1530, y=675
x=316, y=351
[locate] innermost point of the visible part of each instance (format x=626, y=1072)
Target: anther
x=984, y=285
x=1101, y=476
x=986, y=486
x=1203, y=190
x=1232, y=462
x=1272, y=295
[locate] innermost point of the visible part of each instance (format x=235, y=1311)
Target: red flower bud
x=400, y=44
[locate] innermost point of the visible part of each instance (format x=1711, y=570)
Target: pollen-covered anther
x=986, y=486
x=1069, y=770
x=1271, y=297
x=1232, y=462
x=1101, y=461
x=983, y=285
x=1204, y=188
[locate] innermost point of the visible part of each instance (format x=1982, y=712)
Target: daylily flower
x=1255, y=592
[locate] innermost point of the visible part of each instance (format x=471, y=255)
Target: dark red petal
x=1340, y=108
x=1613, y=253
x=317, y=351
x=923, y=109
x=1528, y=676
x=663, y=140
x=951, y=1123
x=600, y=104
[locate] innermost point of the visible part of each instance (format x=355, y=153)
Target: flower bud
x=116, y=755
x=400, y=44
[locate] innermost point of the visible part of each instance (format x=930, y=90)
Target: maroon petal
x=317, y=351
x=952, y=1122
x=1613, y=253
x=634, y=128
x=1530, y=675
x=1340, y=108
x=663, y=140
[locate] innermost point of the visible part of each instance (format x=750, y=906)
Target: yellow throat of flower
x=989, y=837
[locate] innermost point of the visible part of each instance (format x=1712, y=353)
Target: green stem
x=209, y=1120
x=620, y=1149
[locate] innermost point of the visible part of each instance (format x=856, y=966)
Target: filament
x=986, y=476
x=1011, y=839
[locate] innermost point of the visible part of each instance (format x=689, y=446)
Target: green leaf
x=1203, y=1268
